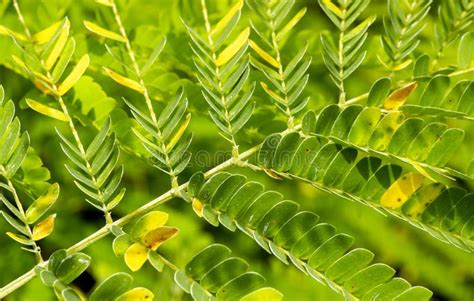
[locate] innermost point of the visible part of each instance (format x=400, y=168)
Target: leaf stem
x=223, y=96
x=105, y=230
x=276, y=49
x=57, y=95
x=35, y=248
x=146, y=95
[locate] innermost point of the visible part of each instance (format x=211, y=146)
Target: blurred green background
x=415, y=255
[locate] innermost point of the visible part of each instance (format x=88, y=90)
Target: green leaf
x=112, y=287
x=206, y=260
x=434, y=92
x=240, y=286
x=379, y=91
x=263, y=294
x=55, y=260
x=466, y=50
x=415, y=293
x=349, y=264
x=18, y=156
x=368, y=278
x=421, y=68
x=330, y=251
x=72, y=266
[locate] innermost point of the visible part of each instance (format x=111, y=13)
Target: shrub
x=367, y=103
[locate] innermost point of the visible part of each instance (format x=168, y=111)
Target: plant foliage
x=109, y=100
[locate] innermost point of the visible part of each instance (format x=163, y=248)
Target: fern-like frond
x=213, y=274
x=171, y=152
x=286, y=82
x=281, y=229
x=426, y=146
x=223, y=70
x=344, y=56
x=455, y=17
x=386, y=187
x=14, y=146
x=402, y=27
x=163, y=136
x=95, y=171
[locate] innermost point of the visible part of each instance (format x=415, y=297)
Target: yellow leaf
x=42, y=204
x=263, y=294
x=19, y=238
x=226, y=19
x=179, y=132
x=44, y=228
x=148, y=222
x=92, y=27
x=58, y=46
x=104, y=2
x=332, y=7
x=291, y=24
x=425, y=196
x=197, y=207
x=399, y=192
x=398, y=97
x=367, y=22
x=8, y=32
x=20, y=63
x=263, y=54
x=158, y=236
x=402, y=65
x=136, y=294
x=46, y=34
x=42, y=87
x=228, y=53
x=75, y=75
x=124, y=81
x=45, y=110
x=271, y=93
x=135, y=256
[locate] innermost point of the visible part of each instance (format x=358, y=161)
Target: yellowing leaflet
x=228, y=53
x=75, y=75
x=92, y=27
x=124, y=81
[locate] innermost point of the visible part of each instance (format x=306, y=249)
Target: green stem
x=62, y=104
x=105, y=230
x=146, y=95
x=223, y=96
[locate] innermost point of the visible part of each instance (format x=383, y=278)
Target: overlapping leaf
x=455, y=17
x=392, y=136
x=14, y=147
x=61, y=270
x=286, y=82
x=223, y=70
x=345, y=55
x=118, y=287
x=165, y=139
x=95, y=169
x=402, y=27
x=383, y=186
x=281, y=229
x=213, y=274
x=147, y=234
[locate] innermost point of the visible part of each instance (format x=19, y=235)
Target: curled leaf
x=44, y=228
x=399, y=96
x=42, y=204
